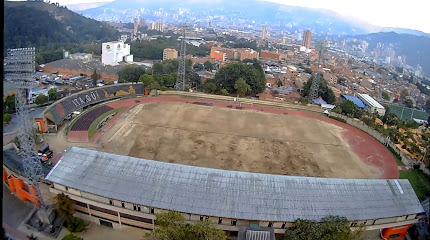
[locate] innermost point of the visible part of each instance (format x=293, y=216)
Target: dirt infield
x=287, y=142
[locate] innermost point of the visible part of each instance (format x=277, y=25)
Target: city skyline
x=383, y=13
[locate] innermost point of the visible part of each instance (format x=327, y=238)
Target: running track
x=369, y=150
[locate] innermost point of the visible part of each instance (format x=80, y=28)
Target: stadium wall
x=59, y=110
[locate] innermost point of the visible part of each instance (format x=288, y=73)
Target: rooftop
x=370, y=100
x=231, y=194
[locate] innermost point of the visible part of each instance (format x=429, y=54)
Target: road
x=13, y=125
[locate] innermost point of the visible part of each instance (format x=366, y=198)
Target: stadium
x=242, y=164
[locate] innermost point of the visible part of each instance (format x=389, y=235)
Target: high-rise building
x=284, y=40
x=159, y=26
x=170, y=53
x=307, y=39
x=263, y=33
x=142, y=22
x=135, y=28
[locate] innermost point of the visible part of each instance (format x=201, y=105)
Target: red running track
x=368, y=149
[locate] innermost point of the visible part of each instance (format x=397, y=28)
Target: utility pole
x=19, y=70
x=181, y=80
x=313, y=91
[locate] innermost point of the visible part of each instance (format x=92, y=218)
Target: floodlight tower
x=19, y=70
x=181, y=82
x=313, y=91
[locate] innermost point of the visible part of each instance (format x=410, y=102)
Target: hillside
x=47, y=26
x=415, y=48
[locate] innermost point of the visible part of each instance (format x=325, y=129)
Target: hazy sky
x=412, y=14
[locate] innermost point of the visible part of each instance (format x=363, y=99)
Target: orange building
x=271, y=55
x=247, y=53
x=307, y=39
x=135, y=28
x=170, y=53
x=218, y=54
x=23, y=191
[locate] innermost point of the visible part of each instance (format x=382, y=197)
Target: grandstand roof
x=353, y=99
x=231, y=194
x=369, y=100
x=82, y=65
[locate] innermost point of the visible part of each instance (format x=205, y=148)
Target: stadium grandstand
x=62, y=109
x=125, y=192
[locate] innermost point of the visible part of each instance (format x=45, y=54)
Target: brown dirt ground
x=234, y=140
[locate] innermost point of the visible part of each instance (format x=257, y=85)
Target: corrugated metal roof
x=353, y=99
x=231, y=194
x=370, y=100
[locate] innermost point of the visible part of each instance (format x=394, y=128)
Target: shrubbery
x=76, y=225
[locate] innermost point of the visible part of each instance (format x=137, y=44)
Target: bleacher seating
x=84, y=122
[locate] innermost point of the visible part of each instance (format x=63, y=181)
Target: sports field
x=246, y=140
x=407, y=113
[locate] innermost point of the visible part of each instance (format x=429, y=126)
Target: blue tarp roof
x=319, y=101
x=353, y=99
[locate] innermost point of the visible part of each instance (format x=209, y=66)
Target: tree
x=385, y=96
x=408, y=103
x=427, y=107
x=52, y=94
x=227, y=76
x=154, y=85
x=76, y=225
x=224, y=91
x=71, y=237
x=157, y=68
x=130, y=74
x=172, y=226
x=41, y=99
x=210, y=87
x=403, y=95
x=7, y=117
x=146, y=79
x=242, y=87
x=208, y=65
x=331, y=227
x=324, y=90
x=199, y=67
x=9, y=104
x=64, y=206
x=95, y=76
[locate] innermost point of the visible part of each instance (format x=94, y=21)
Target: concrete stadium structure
x=122, y=192
x=61, y=109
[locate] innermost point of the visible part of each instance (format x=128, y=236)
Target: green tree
x=95, y=76
x=198, y=67
x=403, y=95
x=172, y=226
x=252, y=74
x=154, y=85
x=385, y=96
x=9, y=104
x=71, y=237
x=224, y=92
x=242, y=87
x=146, y=79
x=76, y=225
x=52, y=94
x=64, y=206
x=7, y=117
x=130, y=74
x=210, y=87
x=157, y=68
x=41, y=99
x=408, y=103
x=324, y=90
x=331, y=227
x=208, y=65
x=427, y=107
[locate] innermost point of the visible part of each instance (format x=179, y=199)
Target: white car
x=100, y=84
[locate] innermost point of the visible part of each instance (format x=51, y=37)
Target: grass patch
x=337, y=118
x=396, y=156
x=419, y=181
x=93, y=127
